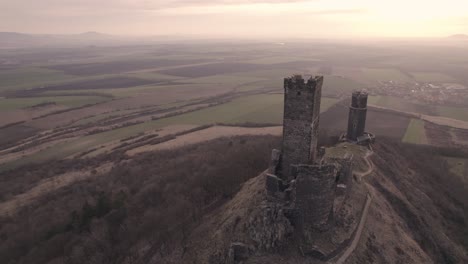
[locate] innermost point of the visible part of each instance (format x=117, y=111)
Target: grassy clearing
x=458, y=166
x=31, y=77
x=453, y=112
x=432, y=77
x=8, y=104
x=415, y=133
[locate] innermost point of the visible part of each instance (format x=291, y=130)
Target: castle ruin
x=312, y=186
x=309, y=181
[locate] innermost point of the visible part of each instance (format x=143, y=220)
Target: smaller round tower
x=357, y=115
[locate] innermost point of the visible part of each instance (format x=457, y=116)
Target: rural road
x=370, y=166
x=362, y=221
x=356, y=239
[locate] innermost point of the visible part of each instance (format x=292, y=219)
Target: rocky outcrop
x=268, y=228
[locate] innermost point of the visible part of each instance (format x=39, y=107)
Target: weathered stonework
x=274, y=161
x=272, y=184
x=300, y=122
x=315, y=193
x=345, y=174
x=357, y=115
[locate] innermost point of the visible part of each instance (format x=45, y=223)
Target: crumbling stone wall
x=315, y=194
x=345, y=173
x=300, y=122
x=357, y=115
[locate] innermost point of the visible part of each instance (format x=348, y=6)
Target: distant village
x=438, y=93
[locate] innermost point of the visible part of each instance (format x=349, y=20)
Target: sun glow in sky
x=248, y=18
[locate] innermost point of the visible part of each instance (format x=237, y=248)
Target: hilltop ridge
x=413, y=217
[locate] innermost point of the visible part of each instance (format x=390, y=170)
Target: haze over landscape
x=233, y=131
x=239, y=18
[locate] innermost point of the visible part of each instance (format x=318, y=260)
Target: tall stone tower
x=357, y=115
x=300, y=122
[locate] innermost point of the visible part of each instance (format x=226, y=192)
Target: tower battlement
x=359, y=99
x=297, y=82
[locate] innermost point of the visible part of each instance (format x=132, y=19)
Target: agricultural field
x=381, y=123
x=9, y=104
x=83, y=98
x=278, y=59
x=337, y=85
x=399, y=104
x=415, y=133
x=431, y=77
x=23, y=78
x=373, y=75
x=76, y=121
x=115, y=67
x=453, y=112
x=267, y=109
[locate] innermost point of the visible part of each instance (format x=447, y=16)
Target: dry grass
x=206, y=135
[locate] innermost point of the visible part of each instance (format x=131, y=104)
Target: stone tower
x=357, y=115
x=300, y=122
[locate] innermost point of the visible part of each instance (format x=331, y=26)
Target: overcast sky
x=247, y=18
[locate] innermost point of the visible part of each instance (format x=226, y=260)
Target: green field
x=453, y=112
x=431, y=77
x=415, y=133
x=256, y=109
x=31, y=77
x=8, y=104
x=407, y=106
x=399, y=104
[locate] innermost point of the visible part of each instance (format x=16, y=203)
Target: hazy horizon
x=239, y=18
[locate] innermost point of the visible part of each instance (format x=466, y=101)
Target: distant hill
x=21, y=40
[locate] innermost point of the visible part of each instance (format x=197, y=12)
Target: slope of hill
x=187, y=205
x=416, y=216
